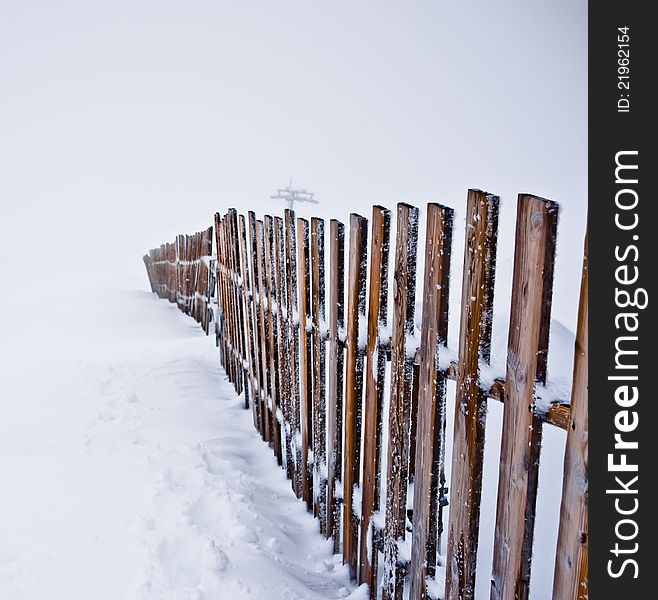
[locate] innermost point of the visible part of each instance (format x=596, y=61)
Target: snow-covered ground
x=130, y=468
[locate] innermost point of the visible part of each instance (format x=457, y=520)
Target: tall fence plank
x=263, y=331
x=523, y=587
x=431, y=390
x=571, y=566
x=249, y=317
x=318, y=368
x=335, y=376
x=470, y=401
x=273, y=335
x=375, y=359
x=283, y=348
x=402, y=359
x=293, y=343
x=258, y=347
x=533, y=236
x=305, y=375
x=356, y=306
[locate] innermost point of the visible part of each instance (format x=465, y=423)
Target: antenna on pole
x=292, y=195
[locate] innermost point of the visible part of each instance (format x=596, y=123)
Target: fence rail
x=352, y=400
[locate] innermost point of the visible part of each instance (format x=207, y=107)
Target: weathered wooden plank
x=283, y=350
x=470, y=401
x=356, y=306
x=305, y=375
x=402, y=358
x=239, y=316
x=273, y=334
x=375, y=358
x=430, y=418
x=319, y=336
x=532, y=239
x=293, y=342
x=262, y=320
x=222, y=294
x=571, y=565
x=335, y=375
x=249, y=316
x=255, y=307
x=523, y=588
x=232, y=301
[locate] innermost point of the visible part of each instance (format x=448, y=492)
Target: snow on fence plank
x=267, y=290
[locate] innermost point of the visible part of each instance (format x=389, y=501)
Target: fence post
x=532, y=249
x=375, y=369
x=471, y=401
x=402, y=359
x=335, y=376
x=571, y=558
x=356, y=307
x=431, y=392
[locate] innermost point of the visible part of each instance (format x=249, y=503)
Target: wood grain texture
x=249, y=316
x=470, y=401
x=283, y=345
x=305, y=375
x=402, y=359
x=318, y=369
x=431, y=390
x=273, y=336
x=258, y=346
x=263, y=331
x=335, y=368
x=293, y=341
x=571, y=565
x=532, y=237
x=375, y=365
x=356, y=304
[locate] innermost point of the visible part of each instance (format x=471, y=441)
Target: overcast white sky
x=130, y=121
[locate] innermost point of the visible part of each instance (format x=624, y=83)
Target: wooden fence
x=353, y=402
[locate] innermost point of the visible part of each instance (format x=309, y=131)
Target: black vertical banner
x=623, y=268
